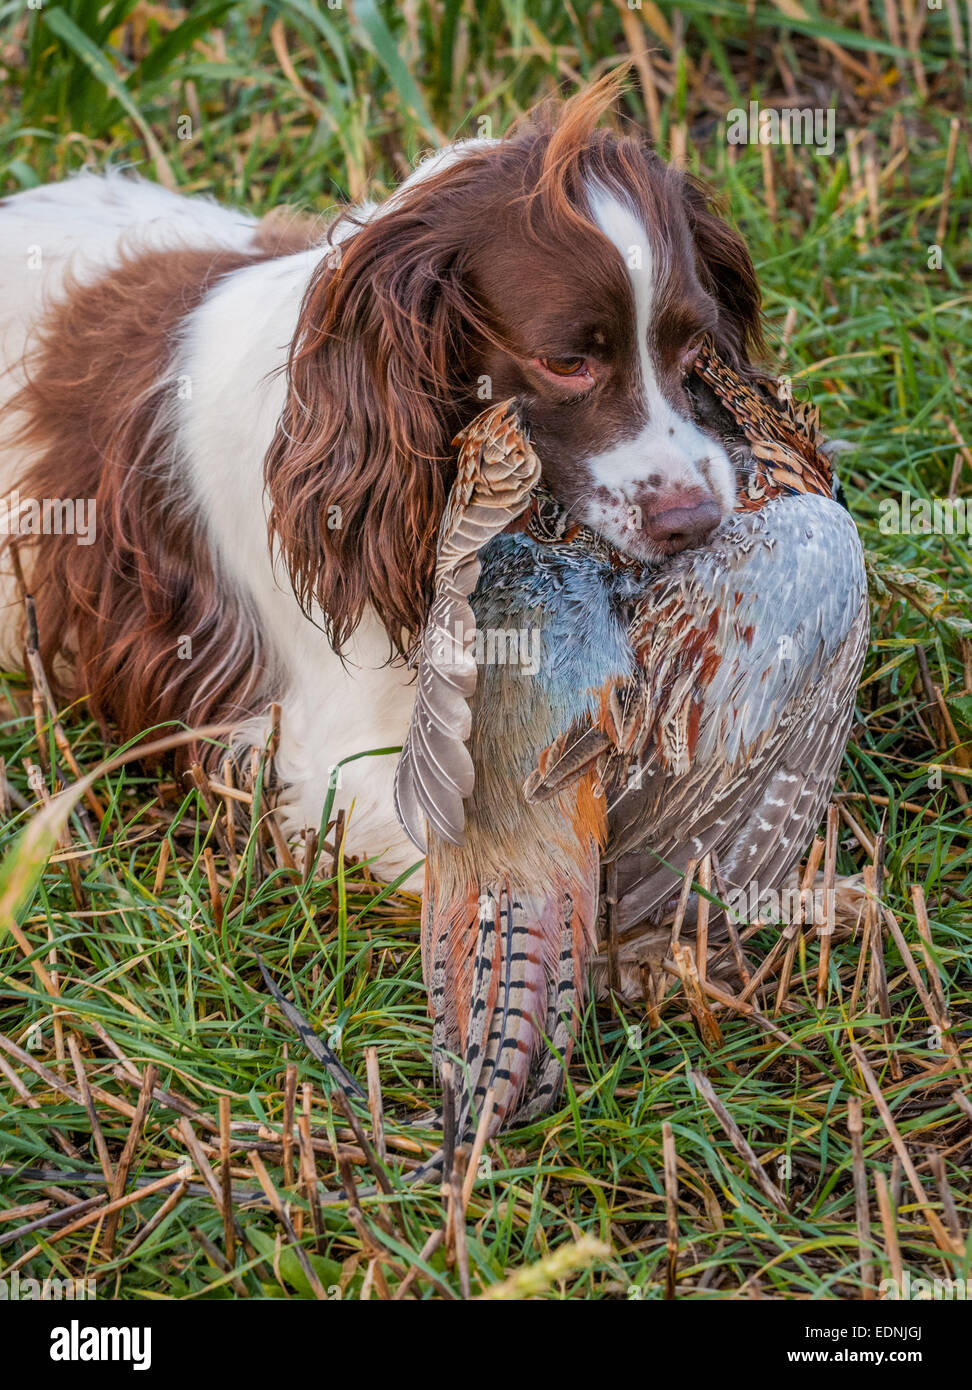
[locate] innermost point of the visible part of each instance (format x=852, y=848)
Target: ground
x=132, y=946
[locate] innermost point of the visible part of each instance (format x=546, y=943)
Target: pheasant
x=701, y=706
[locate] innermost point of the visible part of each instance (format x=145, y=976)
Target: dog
x=254, y=419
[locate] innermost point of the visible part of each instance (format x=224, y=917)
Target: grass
x=128, y=939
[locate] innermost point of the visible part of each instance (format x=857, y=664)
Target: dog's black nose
x=677, y=528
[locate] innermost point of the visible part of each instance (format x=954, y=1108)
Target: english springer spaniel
x=254, y=419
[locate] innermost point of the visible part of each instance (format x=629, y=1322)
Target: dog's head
x=564, y=265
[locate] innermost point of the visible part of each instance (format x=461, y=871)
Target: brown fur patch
x=99, y=403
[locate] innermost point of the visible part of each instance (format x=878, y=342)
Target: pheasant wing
x=497, y=470
x=742, y=757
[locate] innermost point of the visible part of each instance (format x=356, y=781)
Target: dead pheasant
x=510, y=896
x=700, y=707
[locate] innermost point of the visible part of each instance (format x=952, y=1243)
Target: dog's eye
x=564, y=366
x=689, y=354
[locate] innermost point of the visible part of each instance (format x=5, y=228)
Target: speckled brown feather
x=783, y=434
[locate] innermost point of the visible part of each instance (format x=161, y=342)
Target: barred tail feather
x=507, y=972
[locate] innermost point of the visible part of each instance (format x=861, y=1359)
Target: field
x=700, y=1154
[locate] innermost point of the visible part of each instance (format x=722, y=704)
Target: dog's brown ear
x=726, y=270
x=361, y=463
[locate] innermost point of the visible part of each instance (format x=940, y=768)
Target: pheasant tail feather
x=506, y=971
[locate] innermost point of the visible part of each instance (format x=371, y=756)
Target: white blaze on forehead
x=663, y=441
x=620, y=224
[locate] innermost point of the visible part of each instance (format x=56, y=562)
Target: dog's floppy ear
x=726, y=270
x=361, y=463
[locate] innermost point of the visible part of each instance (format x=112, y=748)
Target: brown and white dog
x=262, y=412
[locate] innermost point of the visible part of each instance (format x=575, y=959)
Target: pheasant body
x=510, y=899
x=703, y=706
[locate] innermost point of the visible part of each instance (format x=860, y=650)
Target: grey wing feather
x=775, y=716
x=497, y=472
